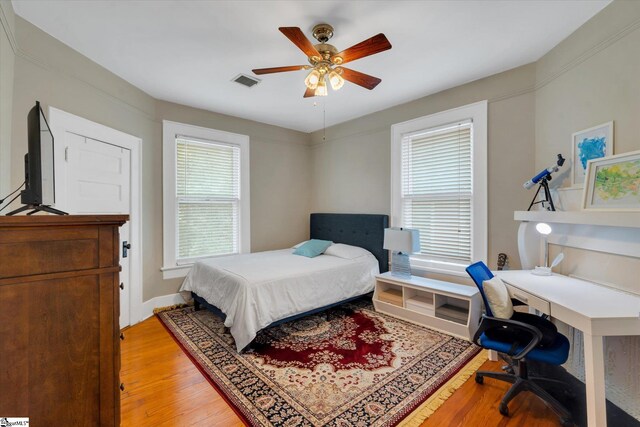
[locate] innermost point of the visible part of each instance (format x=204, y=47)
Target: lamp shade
x=543, y=228
x=404, y=240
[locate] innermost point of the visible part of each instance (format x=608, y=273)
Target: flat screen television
x=39, y=174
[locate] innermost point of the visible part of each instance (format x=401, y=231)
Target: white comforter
x=255, y=290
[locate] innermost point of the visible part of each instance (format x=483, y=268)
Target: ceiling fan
x=326, y=61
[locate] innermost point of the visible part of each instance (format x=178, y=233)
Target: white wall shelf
x=600, y=218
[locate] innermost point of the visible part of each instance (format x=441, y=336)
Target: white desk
x=596, y=310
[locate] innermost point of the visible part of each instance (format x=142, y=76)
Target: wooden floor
x=164, y=388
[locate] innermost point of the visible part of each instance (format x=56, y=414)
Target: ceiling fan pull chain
x=324, y=121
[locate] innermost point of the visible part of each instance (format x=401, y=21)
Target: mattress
x=255, y=290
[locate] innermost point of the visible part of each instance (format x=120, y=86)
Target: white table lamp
x=403, y=242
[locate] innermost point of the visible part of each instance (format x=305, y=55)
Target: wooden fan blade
x=278, y=69
x=375, y=44
x=298, y=38
x=361, y=79
x=309, y=93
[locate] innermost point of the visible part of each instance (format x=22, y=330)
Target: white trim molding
x=176, y=272
x=477, y=112
x=7, y=24
x=170, y=130
x=161, y=301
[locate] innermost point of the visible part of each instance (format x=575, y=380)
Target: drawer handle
x=122, y=286
x=122, y=386
x=121, y=336
x=521, y=298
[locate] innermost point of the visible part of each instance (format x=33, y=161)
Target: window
x=439, y=186
x=206, y=195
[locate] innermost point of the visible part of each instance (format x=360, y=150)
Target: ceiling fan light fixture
x=326, y=61
x=312, y=79
x=336, y=80
x=321, y=90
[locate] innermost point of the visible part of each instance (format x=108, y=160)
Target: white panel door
x=98, y=176
x=98, y=181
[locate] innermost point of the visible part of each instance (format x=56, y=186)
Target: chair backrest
x=479, y=272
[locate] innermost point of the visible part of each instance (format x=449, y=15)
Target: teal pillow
x=313, y=248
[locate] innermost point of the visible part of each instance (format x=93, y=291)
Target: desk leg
x=594, y=379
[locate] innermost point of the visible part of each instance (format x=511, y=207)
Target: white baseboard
x=162, y=301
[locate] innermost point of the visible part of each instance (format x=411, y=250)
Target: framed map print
x=613, y=183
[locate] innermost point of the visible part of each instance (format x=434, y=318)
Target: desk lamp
x=402, y=241
x=544, y=229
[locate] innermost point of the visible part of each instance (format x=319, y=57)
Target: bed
x=254, y=291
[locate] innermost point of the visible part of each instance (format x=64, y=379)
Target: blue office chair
x=521, y=338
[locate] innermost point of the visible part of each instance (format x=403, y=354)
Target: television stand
x=36, y=209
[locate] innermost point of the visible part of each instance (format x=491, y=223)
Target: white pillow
x=498, y=297
x=346, y=251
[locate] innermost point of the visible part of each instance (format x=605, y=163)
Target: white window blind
x=437, y=190
x=208, y=199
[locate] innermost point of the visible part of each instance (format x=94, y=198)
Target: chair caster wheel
x=504, y=409
x=566, y=422
x=479, y=379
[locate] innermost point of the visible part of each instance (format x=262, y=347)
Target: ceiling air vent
x=246, y=80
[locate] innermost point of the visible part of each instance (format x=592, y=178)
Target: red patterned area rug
x=347, y=366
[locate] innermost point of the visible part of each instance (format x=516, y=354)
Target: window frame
x=170, y=132
x=477, y=113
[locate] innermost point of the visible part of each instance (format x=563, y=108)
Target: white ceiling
x=189, y=51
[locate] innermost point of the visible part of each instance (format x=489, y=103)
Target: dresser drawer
x=43, y=250
x=531, y=300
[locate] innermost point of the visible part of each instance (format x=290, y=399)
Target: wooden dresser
x=59, y=309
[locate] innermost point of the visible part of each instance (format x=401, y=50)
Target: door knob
x=122, y=286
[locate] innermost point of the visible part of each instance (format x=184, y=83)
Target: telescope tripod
x=544, y=184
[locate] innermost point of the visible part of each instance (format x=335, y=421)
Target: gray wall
x=58, y=76
x=7, y=59
x=351, y=168
x=588, y=79
x=280, y=180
